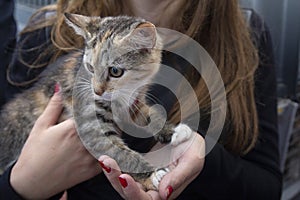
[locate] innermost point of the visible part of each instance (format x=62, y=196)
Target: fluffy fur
x=121, y=53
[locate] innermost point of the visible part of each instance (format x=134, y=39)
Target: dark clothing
x=6, y=190
x=224, y=176
x=8, y=30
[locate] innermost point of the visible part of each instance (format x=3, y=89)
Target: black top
x=224, y=176
x=8, y=30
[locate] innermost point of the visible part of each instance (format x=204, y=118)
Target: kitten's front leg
x=169, y=133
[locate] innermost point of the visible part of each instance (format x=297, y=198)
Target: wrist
x=21, y=183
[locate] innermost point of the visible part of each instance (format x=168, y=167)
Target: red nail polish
x=169, y=191
x=107, y=169
x=57, y=88
x=123, y=182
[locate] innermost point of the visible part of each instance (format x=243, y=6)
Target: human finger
x=112, y=171
x=188, y=166
x=53, y=110
x=67, y=126
x=131, y=189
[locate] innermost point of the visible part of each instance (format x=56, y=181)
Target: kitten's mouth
x=107, y=99
x=104, y=97
x=102, y=101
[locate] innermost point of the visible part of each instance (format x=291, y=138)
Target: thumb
x=53, y=110
x=188, y=167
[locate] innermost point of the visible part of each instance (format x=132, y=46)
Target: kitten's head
x=122, y=53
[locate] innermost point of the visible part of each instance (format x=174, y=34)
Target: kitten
x=120, y=53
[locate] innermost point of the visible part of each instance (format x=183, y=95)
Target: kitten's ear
x=83, y=25
x=143, y=36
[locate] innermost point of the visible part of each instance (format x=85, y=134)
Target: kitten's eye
x=116, y=72
x=90, y=67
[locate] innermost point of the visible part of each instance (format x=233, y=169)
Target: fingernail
x=107, y=169
x=169, y=191
x=123, y=182
x=57, y=88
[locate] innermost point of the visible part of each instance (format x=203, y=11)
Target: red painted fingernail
x=57, y=88
x=169, y=191
x=107, y=169
x=123, y=182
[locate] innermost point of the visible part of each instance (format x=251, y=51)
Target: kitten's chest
x=104, y=113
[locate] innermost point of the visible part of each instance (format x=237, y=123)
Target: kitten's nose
x=99, y=91
x=99, y=87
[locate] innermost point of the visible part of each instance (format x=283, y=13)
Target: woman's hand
x=123, y=183
x=183, y=172
x=53, y=157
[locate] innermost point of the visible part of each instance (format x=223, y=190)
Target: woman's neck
x=162, y=13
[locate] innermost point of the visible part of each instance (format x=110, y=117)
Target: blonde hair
x=219, y=26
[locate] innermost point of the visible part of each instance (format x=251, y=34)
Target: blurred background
x=25, y=8
x=283, y=20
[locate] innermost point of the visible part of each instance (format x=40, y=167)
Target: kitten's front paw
x=157, y=176
x=181, y=133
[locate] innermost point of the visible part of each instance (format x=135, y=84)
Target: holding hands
x=53, y=157
x=183, y=171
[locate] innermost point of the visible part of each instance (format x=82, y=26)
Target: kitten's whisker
x=82, y=90
x=136, y=111
x=82, y=87
x=83, y=83
x=80, y=95
x=84, y=79
x=123, y=101
x=131, y=98
x=151, y=97
x=136, y=108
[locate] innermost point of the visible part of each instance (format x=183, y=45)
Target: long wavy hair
x=219, y=26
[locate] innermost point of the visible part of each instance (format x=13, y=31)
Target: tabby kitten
x=120, y=53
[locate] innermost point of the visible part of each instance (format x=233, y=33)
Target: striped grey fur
x=110, y=42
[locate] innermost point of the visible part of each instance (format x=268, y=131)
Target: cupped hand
x=183, y=171
x=124, y=184
x=53, y=157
